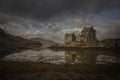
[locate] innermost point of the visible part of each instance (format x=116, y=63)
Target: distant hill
x=110, y=39
x=44, y=41
x=10, y=43
x=111, y=42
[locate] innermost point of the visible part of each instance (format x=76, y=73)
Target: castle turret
x=69, y=37
x=86, y=38
x=88, y=34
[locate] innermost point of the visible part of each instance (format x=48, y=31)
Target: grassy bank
x=40, y=71
x=64, y=48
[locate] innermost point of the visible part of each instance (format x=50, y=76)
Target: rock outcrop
x=2, y=32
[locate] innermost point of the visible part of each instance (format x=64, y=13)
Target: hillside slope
x=44, y=41
x=10, y=43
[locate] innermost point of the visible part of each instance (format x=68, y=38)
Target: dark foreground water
x=94, y=56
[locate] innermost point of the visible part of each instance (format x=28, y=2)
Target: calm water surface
x=61, y=57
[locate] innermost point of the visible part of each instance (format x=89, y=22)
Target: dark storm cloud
x=48, y=8
x=49, y=18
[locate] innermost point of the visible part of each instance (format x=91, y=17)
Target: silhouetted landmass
x=10, y=43
x=111, y=42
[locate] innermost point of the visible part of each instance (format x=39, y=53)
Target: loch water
x=86, y=56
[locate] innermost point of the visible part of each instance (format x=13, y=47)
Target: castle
x=87, y=38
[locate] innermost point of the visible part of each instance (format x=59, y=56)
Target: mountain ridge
x=44, y=41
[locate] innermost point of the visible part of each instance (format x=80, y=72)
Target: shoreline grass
x=48, y=71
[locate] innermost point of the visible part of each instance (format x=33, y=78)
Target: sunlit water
x=61, y=57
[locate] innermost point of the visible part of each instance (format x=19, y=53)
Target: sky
x=51, y=19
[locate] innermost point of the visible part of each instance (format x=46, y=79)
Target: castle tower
x=88, y=34
x=78, y=38
x=69, y=37
x=92, y=35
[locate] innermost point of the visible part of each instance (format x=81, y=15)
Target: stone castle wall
x=87, y=38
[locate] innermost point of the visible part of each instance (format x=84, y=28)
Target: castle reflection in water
x=93, y=57
x=79, y=57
